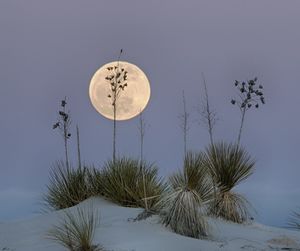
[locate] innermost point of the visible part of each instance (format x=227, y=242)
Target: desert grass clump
x=228, y=165
x=76, y=230
x=130, y=183
x=185, y=203
x=67, y=187
x=294, y=221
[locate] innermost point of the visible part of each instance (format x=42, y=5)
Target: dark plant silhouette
x=117, y=79
x=63, y=124
x=249, y=95
x=184, y=120
x=208, y=115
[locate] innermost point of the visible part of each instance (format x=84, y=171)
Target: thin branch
x=208, y=115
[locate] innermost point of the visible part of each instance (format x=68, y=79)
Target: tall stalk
x=115, y=128
x=208, y=116
x=243, y=111
x=78, y=147
x=117, y=79
x=142, y=130
x=184, y=119
x=63, y=123
x=209, y=119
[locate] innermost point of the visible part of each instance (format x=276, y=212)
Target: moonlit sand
x=118, y=231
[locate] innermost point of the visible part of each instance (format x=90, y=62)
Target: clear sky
x=51, y=49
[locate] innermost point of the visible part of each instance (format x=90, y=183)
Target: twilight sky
x=51, y=49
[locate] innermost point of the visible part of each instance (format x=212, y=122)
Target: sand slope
x=118, y=232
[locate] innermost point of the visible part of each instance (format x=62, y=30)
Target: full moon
x=131, y=100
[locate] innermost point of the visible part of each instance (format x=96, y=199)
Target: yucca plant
x=185, y=203
x=76, y=230
x=228, y=165
x=294, y=221
x=128, y=182
x=67, y=187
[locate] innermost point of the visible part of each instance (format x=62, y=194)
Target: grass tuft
x=76, y=230
x=184, y=204
x=67, y=187
x=228, y=165
x=294, y=221
x=129, y=183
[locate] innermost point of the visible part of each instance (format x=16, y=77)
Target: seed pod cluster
x=63, y=121
x=117, y=78
x=250, y=94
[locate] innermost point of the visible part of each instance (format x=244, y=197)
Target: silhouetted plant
x=63, y=124
x=76, y=230
x=123, y=183
x=117, y=79
x=67, y=187
x=250, y=95
x=207, y=114
x=184, y=120
x=185, y=203
x=228, y=165
x=294, y=221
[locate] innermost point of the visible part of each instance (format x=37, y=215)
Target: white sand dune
x=118, y=232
